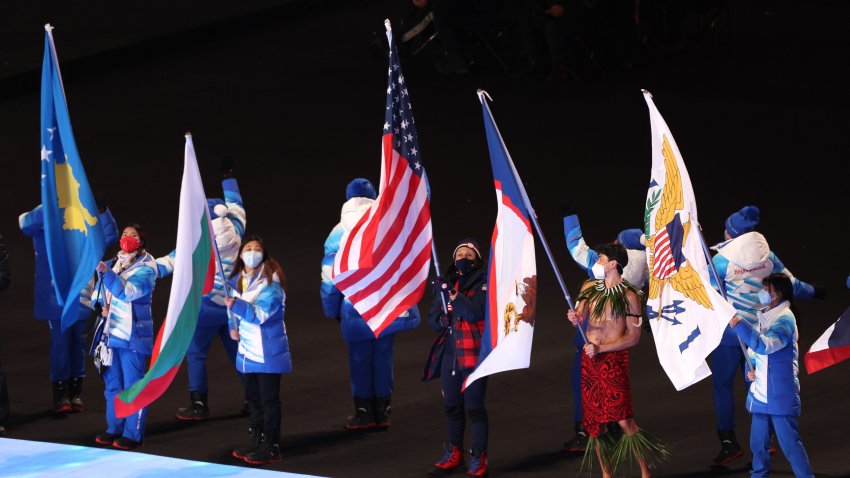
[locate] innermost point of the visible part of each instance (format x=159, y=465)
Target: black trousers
x=262, y=391
x=458, y=406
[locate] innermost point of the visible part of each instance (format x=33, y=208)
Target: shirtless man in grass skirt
x=609, y=309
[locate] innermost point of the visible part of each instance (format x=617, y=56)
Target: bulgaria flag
x=194, y=273
x=832, y=347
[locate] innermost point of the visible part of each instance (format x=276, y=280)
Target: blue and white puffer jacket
x=259, y=310
x=773, y=347
x=46, y=307
x=335, y=305
x=129, y=293
x=742, y=263
x=229, y=228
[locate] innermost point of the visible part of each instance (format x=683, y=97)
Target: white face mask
x=598, y=271
x=764, y=297
x=252, y=258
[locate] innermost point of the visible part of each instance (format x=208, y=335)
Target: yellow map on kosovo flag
x=68, y=192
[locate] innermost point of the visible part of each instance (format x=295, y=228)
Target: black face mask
x=464, y=265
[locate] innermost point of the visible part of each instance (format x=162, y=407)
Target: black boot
x=76, y=390
x=383, y=409
x=267, y=452
x=197, y=410
x=363, y=417
x=61, y=404
x=579, y=442
x=253, y=444
x=730, y=449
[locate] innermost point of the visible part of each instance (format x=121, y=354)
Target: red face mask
x=129, y=244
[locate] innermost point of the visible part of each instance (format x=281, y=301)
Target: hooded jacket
x=354, y=327
x=742, y=263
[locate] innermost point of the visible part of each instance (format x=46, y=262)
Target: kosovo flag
x=73, y=237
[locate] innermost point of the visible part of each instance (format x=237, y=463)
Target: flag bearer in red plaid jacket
x=454, y=355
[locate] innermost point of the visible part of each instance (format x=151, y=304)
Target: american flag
x=383, y=261
x=664, y=264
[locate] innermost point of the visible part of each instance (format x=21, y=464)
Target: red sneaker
x=451, y=461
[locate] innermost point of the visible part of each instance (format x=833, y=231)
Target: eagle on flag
x=667, y=262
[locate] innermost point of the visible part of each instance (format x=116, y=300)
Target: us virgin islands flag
x=686, y=314
x=73, y=237
x=511, y=270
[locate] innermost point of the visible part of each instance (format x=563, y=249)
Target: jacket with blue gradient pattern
x=773, y=347
x=259, y=311
x=129, y=292
x=742, y=263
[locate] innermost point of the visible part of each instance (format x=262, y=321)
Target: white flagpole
x=49, y=29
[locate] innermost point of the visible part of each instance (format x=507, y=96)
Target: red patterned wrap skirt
x=606, y=393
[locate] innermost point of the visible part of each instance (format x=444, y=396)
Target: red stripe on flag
x=158, y=343
x=493, y=290
x=155, y=388
x=346, y=246
x=209, y=280
x=822, y=359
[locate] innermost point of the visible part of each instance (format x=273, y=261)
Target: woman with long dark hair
x=124, y=291
x=257, y=304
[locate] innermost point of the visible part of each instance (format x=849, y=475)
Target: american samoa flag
x=511, y=270
x=832, y=347
x=383, y=261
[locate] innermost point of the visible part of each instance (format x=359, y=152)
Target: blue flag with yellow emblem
x=73, y=237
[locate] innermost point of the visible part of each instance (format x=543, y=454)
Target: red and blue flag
x=511, y=269
x=832, y=347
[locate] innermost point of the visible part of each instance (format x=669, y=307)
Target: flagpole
x=722, y=291
x=437, y=271
x=49, y=29
x=533, y=215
